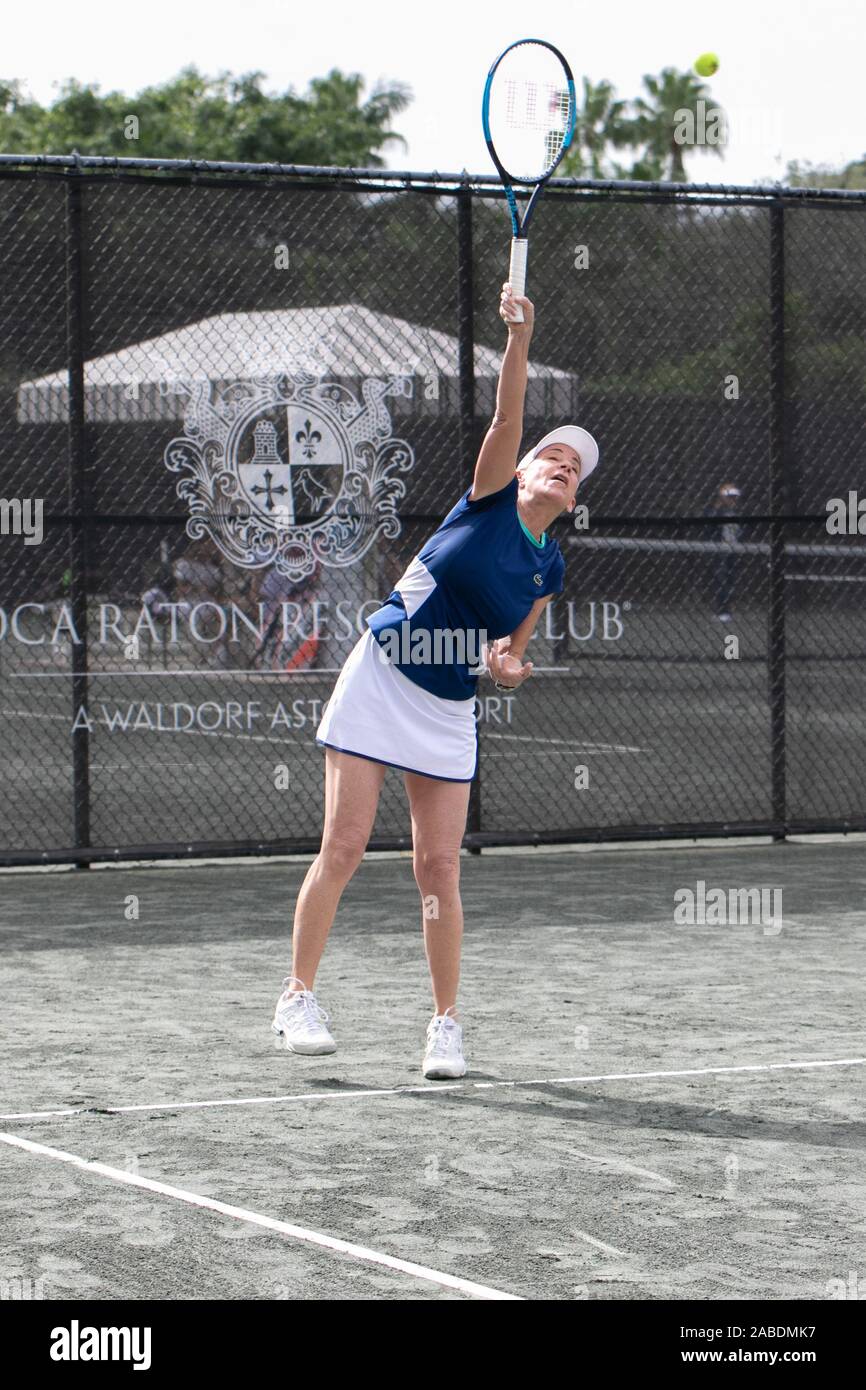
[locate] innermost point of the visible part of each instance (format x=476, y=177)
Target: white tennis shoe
x=301, y=1021
x=444, y=1055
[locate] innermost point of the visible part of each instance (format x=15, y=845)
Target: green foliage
x=657, y=115
x=816, y=368
x=804, y=175
x=197, y=117
x=834, y=371
x=646, y=127
x=602, y=121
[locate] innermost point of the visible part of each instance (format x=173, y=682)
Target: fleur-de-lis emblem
x=308, y=438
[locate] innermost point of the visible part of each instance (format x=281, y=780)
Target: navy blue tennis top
x=480, y=573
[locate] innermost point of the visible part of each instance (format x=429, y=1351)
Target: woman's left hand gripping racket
x=528, y=113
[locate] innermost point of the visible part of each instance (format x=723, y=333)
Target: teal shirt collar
x=539, y=545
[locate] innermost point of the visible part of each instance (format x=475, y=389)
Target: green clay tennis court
x=652, y=1110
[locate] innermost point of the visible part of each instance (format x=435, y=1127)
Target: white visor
x=576, y=438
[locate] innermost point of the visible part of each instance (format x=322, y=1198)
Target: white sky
x=791, y=77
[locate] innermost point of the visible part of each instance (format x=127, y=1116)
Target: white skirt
x=376, y=712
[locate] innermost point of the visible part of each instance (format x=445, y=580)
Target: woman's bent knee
x=341, y=854
x=436, y=872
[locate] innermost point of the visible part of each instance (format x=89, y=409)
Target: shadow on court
x=629, y=1127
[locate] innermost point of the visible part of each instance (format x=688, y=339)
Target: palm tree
x=673, y=102
x=601, y=121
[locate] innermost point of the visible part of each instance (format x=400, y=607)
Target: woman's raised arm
x=497, y=458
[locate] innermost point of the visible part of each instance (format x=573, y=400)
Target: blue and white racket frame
x=520, y=226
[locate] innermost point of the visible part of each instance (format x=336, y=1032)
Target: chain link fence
x=239, y=399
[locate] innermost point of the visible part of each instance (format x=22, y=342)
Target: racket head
x=528, y=111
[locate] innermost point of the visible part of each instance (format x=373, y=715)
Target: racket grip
x=517, y=271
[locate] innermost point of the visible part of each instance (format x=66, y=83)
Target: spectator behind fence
x=286, y=646
x=199, y=579
x=725, y=504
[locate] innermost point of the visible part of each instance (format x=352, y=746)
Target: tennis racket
x=528, y=113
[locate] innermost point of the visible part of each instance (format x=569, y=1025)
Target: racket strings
x=530, y=111
x=524, y=111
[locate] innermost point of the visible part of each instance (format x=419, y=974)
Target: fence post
x=778, y=509
x=78, y=508
x=466, y=373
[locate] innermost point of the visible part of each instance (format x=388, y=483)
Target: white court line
x=575, y=747
x=188, y=733
x=580, y=746
x=625, y=1167
x=31, y=714
x=600, y=1245
x=434, y=1090
x=254, y=1218
x=200, y=671
x=95, y=675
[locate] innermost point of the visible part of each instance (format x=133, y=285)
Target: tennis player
x=484, y=576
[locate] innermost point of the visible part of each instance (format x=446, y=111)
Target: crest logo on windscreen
x=291, y=472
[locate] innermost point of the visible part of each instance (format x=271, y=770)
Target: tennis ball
x=707, y=64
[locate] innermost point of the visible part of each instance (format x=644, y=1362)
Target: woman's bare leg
x=438, y=821
x=352, y=787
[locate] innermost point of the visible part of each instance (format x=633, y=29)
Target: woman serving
x=405, y=697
